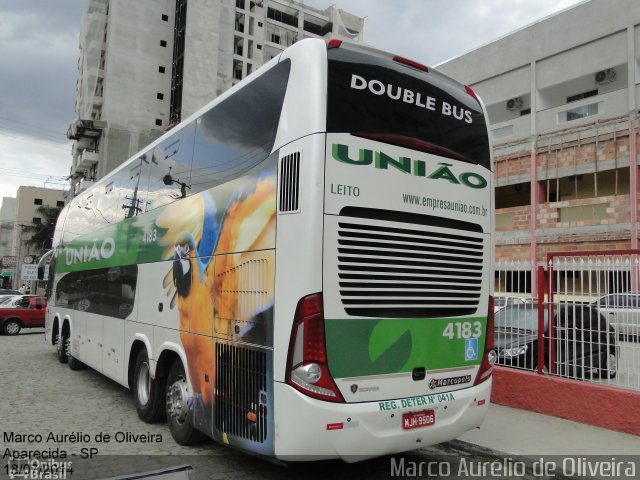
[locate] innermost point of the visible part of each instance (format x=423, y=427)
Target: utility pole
x=16, y=285
x=19, y=259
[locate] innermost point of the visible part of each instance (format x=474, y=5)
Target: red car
x=29, y=313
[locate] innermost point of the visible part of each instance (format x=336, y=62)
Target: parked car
x=29, y=314
x=623, y=312
x=585, y=342
x=5, y=298
x=7, y=291
x=501, y=302
x=12, y=301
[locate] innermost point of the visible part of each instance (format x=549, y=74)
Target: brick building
x=562, y=96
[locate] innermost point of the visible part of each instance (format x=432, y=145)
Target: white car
x=623, y=312
x=13, y=301
x=501, y=302
x=7, y=298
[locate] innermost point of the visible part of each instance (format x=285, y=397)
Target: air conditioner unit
x=514, y=104
x=605, y=76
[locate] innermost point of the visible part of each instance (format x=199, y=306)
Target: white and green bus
x=302, y=269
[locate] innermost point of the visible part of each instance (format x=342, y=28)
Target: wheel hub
x=144, y=384
x=177, y=405
x=13, y=328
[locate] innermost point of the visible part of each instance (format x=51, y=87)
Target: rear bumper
x=309, y=429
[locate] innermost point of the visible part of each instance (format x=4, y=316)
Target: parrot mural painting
x=212, y=241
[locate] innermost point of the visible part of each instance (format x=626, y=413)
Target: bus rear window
x=374, y=97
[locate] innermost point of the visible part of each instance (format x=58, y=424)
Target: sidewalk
x=520, y=432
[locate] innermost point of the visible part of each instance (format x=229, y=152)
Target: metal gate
x=576, y=317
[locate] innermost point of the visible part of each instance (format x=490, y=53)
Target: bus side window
x=79, y=221
x=170, y=169
x=239, y=133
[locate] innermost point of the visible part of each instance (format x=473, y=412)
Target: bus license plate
x=418, y=419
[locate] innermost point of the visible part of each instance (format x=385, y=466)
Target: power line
x=52, y=179
x=35, y=176
x=25, y=175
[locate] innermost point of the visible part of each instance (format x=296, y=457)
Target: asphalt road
x=47, y=408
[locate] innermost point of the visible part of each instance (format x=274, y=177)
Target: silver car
x=623, y=312
x=501, y=302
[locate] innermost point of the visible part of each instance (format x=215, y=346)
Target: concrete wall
x=26, y=210
x=597, y=405
x=212, y=33
x=551, y=60
x=207, y=51
x=133, y=55
x=588, y=21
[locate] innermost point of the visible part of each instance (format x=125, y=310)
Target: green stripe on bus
x=130, y=242
x=361, y=347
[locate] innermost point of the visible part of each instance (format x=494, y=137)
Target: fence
x=576, y=317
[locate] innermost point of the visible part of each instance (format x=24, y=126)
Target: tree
x=42, y=233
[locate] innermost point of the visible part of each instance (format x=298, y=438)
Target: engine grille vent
x=399, y=270
x=290, y=183
x=241, y=386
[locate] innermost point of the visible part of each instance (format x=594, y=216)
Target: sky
x=39, y=55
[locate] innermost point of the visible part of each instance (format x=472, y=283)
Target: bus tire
x=61, y=347
x=177, y=408
x=55, y=333
x=148, y=393
x=74, y=363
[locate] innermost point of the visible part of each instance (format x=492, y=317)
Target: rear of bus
x=395, y=352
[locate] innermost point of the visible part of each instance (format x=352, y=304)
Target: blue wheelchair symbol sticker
x=471, y=349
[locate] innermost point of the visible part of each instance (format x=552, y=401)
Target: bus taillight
x=334, y=43
x=471, y=91
x=410, y=63
x=489, y=356
x=307, y=369
x=490, y=340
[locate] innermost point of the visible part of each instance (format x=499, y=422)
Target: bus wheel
x=55, y=334
x=74, y=363
x=177, y=407
x=61, y=347
x=147, y=393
